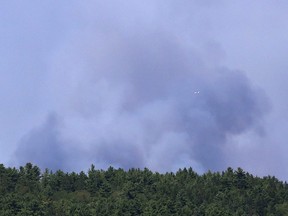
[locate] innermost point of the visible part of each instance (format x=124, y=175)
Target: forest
x=28, y=191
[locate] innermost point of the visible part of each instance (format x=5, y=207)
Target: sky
x=158, y=84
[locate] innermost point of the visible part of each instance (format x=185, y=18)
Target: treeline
x=27, y=191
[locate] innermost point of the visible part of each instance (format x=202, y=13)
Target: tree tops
x=28, y=191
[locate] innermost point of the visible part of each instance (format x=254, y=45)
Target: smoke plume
x=130, y=93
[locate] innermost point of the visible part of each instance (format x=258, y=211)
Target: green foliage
x=27, y=191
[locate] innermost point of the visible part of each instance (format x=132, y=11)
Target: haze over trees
x=28, y=191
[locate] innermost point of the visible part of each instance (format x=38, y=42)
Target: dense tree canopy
x=28, y=191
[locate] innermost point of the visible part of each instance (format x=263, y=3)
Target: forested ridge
x=28, y=191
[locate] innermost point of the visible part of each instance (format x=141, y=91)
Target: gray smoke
x=42, y=146
x=151, y=102
x=132, y=96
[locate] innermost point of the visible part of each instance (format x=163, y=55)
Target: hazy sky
x=157, y=84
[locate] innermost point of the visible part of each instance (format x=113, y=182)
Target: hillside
x=28, y=191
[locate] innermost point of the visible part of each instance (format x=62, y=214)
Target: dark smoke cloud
x=42, y=146
x=136, y=89
x=147, y=102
